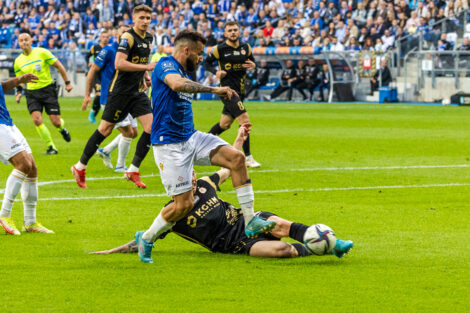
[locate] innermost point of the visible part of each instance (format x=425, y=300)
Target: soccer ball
x=319, y=239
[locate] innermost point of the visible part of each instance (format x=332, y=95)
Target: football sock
x=246, y=146
x=96, y=105
x=124, y=146
x=216, y=129
x=246, y=199
x=297, y=231
x=61, y=127
x=45, y=135
x=159, y=226
x=112, y=145
x=143, y=147
x=29, y=194
x=301, y=250
x=132, y=168
x=14, y=183
x=91, y=146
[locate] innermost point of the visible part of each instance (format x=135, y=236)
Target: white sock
x=14, y=183
x=80, y=166
x=29, y=194
x=132, y=168
x=246, y=199
x=158, y=227
x=112, y=145
x=124, y=146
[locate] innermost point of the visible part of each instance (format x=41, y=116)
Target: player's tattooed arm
x=193, y=87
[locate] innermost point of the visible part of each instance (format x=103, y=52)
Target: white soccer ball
x=446, y=101
x=320, y=239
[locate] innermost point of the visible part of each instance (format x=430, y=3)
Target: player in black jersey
x=126, y=96
x=233, y=58
x=94, y=51
x=219, y=226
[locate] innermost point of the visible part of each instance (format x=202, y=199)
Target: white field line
x=313, y=169
x=267, y=191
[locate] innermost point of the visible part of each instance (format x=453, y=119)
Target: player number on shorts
x=240, y=106
x=116, y=115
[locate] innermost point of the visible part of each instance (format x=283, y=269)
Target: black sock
x=246, y=146
x=91, y=146
x=216, y=129
x=143, y=147
x=96, y=105
x=301, y=250
x=297, y=231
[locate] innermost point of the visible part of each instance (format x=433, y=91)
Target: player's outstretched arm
x=58, y=65
x=130, y=247
x=181, y=84
x=14, y=82
x=89, y=84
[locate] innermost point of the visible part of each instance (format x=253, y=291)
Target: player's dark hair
x=190, y=36
x=231, y=23
x=142, y=7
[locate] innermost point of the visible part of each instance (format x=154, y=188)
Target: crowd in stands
x=324, y=24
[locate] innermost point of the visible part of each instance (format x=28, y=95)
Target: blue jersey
x=105, y=60
x=4, y=115
x=172, y=111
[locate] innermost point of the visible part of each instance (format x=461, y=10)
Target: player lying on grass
x=219, y=226
x=15, y=150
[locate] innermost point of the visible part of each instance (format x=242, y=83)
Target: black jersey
x=213, y=223
x=94, y=51
x=230, y=60
x=137, y=49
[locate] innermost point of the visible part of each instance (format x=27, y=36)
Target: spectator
x=260, y=78
x=287, y=77
x=324, y=81
x=247, y=38
x=300, y=76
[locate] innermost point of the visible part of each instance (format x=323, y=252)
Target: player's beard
x=234, y=42
x=190, y=65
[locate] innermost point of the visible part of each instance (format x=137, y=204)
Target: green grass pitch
x=395, y=179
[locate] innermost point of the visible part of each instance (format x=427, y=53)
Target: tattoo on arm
x=193, y=87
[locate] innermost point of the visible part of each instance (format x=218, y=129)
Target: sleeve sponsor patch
x=124, y=43
x=168, y=66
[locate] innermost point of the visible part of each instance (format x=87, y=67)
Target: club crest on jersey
x=202, y=190
x=243, y=51
x=180, y=178
x=161, y=166
x=37, y=67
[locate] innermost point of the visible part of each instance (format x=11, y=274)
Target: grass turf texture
x=411, y=249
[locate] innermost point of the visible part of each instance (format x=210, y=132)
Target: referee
x=43, y=94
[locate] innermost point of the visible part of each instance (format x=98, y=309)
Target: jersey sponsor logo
x=204, y=209
x=236, y=53
x=182, y=184
x=227, y=55
x=168, y=66
x=16, y=145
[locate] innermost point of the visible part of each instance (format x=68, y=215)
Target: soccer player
x=218, y=226
x=43, y=94
x=178, y=146
x=104, y=66
x=15, y=150
x=94, y=51
x=233, y=58
x=125, y=97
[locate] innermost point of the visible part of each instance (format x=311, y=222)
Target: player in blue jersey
x=15, y=150
x=178, y=146
x=104, y=66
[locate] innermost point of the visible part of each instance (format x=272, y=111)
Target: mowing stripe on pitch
x=267, y=191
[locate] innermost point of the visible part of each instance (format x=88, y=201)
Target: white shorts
x=176, y=160
x=12, y=142
x=129, y=120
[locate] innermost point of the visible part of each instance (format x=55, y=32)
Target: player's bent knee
x=238, y=160
x=225, y=126
x=183, y=207
x=284, y=250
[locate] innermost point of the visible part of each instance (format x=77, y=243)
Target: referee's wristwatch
x=67, y=82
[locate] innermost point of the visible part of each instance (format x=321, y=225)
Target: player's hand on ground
x=249, y=65
x=18, y=97
x=68, y=87
x=225, y=92
x=28, y=78
x=150, y=66
x=220, y=74
x=86, y=102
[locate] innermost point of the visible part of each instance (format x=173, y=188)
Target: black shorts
x=244, y=245
x=233, y=107
x=42, y=98
x=97, y=83
x=119, y=105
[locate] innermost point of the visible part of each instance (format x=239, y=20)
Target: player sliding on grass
x=218, y=226
x=125, y=96
x=15, y=150
x=178, y=146
x=103, y=66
